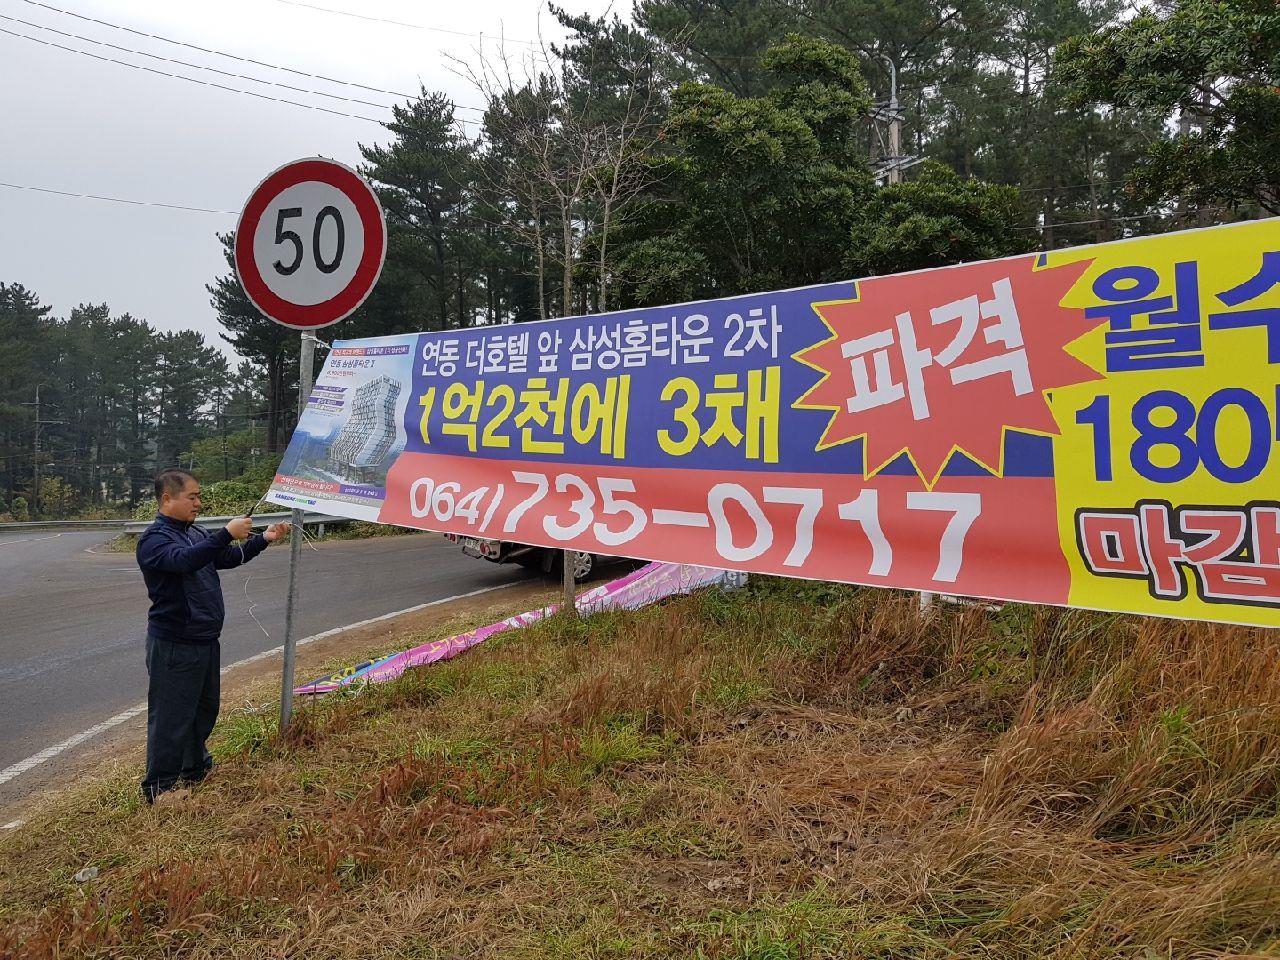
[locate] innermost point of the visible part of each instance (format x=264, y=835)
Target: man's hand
x=240, y=527
x=275, y=532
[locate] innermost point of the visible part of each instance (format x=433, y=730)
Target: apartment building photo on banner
x=370, y=432
x=352, y=429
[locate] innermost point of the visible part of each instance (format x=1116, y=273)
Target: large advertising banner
x=1094, y=427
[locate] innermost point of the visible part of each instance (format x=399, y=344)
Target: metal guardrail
x=260, y=520
x=39, y=526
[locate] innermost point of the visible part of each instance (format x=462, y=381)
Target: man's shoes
x=197, y=778
x=178, y=799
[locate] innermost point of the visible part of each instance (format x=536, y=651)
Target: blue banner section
x=705, y=385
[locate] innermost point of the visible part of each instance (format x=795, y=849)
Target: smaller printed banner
x=649, y=584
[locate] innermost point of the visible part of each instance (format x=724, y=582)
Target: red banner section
x=885, y=531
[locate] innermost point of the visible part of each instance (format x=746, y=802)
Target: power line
x=136, y=203
x=1071, y=186
x=247, y=93
x=29, y=455
x=178, y=76
x=360, y=16
x=233, y=213
x=396, y=23
x=79, y=466
x=1066, y=224
x=217, y=53
x=195, y=66
x=274, y=66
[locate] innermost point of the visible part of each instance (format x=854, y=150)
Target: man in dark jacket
x=180, y=563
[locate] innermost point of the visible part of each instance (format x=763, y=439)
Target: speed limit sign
x=310, y=243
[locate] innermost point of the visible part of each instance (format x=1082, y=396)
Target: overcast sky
x=76, y=124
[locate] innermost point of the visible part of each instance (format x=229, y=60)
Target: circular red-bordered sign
x=310, y=243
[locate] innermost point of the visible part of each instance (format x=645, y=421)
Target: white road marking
x=353, y=626
x=47, y=754
x=6, y=543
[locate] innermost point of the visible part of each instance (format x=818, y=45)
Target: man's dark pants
x=182, y=706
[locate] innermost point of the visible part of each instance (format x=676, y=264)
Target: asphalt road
x=73, y=621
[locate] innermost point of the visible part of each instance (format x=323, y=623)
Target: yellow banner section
x=1167, y=473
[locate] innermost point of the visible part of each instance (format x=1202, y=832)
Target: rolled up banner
x=649, y=584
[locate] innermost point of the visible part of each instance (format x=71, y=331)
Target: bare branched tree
x=562, y=156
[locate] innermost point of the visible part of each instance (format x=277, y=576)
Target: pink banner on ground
x=648, y=584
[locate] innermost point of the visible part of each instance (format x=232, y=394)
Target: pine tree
x=1209, y=66
x=719, y=41
x=24, y=329
x=255, y=337
x=423, y=179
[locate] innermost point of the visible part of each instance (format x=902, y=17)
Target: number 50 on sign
x=310, y=243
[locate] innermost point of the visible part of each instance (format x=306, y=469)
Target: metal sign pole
x=306, y=362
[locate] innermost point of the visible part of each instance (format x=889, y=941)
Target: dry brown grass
x=795, y=771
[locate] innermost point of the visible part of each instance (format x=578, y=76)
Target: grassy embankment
x=797, y=770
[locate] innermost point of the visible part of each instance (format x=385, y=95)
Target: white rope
x=250, y=606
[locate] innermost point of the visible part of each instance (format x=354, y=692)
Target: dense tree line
x=706, y=148
x=116, y=398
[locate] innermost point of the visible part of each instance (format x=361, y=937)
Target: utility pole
x=35, y=460
x=895, y=124
x=35, y=467
x=890, y=167
x=222, y=425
